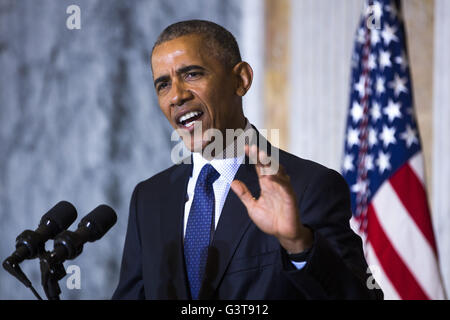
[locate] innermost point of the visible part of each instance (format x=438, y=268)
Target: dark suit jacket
x=244, y=262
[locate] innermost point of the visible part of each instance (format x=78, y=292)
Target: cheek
x=215, y=99
x=220, y=103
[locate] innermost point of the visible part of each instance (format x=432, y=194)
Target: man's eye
x=193, y=75
x=161, y=86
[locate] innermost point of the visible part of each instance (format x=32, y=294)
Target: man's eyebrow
x=189, y=68
x=161, y=79
x=179, y=71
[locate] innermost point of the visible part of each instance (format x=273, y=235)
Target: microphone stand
x=50, y=275
x=14, y=269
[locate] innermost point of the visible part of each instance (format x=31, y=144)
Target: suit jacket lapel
x=233, y=223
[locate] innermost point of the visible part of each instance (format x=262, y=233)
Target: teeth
x=189, y=115
x=189, y=124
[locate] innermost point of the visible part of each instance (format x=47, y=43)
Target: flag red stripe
x=412, y=195
x=395, y=269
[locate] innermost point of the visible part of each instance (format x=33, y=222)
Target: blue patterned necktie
x=198, y=229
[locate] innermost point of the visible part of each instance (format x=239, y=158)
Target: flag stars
x=352, y=137
x=410, y=136
x=372, y=137
x=375, y=111
x=374, y=36
x=348, y=163
x=372, y=62
x=398, y=85
x=392, y=10
x=388, y=34
x=368, y=162
x=356, y=112
x=361, y=186
x=392, y=110
x=402, y=61
x=382, y=132
x=388, y=136
x=383, y=162
x=380, y=85
x=361, y=36
x=360, y=86
x=385, y=59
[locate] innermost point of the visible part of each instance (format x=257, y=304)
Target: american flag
x=383, y=162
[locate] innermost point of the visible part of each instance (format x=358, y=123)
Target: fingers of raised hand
x=243, y=193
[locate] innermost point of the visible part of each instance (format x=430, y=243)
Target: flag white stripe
x=408, y=240
x=380, y=276
x=416, y=164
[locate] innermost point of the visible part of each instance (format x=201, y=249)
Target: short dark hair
x=222, y=43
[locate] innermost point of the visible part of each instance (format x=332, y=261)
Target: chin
x=194, y=140
x=194, y=146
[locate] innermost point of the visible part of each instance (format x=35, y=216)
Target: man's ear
x=244, y=76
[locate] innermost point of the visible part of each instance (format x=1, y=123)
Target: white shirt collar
x=226, y=167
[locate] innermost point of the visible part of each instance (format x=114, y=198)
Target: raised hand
x=275, y=212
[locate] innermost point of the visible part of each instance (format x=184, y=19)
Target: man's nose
x=180, y=94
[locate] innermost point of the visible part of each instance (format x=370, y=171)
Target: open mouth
x=188, y=119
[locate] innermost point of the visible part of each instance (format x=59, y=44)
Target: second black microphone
x=69, y=244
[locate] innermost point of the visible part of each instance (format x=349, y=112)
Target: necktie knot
x=207, y=175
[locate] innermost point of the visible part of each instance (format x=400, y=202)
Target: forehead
x=172, y=52
x=179, y=52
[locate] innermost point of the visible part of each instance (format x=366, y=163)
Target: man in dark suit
x=277, y=234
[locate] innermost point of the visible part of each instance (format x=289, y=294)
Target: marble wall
x=79, y=119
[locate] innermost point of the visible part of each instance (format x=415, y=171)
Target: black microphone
x=69, y=244
x=30, y=243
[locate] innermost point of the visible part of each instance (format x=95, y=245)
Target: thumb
x=243, y=193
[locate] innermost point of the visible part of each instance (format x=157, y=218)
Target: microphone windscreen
x=99, y=221
x=63, y=214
